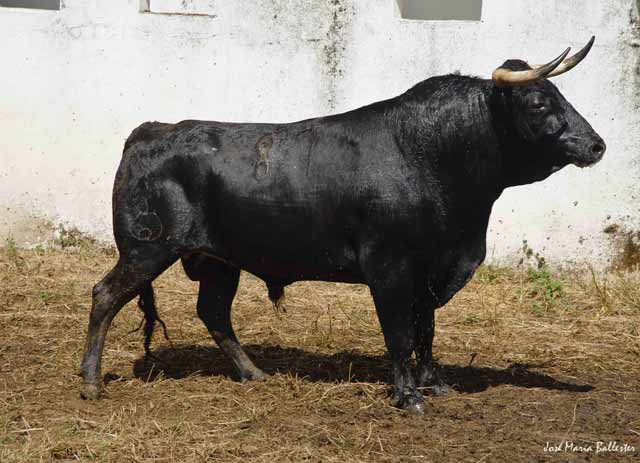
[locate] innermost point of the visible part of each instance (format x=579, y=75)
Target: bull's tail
x=147, y=304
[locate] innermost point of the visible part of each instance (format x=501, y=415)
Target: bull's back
x=275, y=197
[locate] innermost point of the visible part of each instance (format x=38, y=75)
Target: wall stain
x=612, y=229
x=634, y=42
x=335, y=45
x=626, y=248
x=61, y=29
x=631, y=39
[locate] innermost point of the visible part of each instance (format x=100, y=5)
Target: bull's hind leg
x=217, y=289
x=121, y=284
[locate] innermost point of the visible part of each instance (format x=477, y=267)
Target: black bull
x=396, y=195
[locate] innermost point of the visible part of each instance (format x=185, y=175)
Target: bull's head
x=542, y=125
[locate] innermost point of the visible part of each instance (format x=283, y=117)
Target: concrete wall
x=75, y=82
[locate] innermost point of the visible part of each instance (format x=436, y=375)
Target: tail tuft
x=148, y=306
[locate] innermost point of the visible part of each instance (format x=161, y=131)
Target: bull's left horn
x=507, y=77
x=571, y=62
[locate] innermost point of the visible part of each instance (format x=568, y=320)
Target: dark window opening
x=32, y=4
x=437, y=10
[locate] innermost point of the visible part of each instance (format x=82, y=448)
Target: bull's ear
x=507, y=78
x=571, y=62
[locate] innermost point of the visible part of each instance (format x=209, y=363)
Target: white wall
x=75, y=83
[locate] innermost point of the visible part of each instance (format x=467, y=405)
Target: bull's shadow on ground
x=185, y=361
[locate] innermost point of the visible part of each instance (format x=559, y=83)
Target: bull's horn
x=571, y=62
x=507, y=77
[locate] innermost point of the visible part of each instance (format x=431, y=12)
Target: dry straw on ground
x=534, y=357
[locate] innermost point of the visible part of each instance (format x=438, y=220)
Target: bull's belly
x=303, y=268
x=294, y=241
x=291, y=274
x=287, y=254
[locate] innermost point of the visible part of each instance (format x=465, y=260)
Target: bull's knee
x=98, y=290
x=102, y=302
x=100, y=294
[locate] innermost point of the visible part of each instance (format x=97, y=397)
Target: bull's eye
x=537, y=107
x=536, y=102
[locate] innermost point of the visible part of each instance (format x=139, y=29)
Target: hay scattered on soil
x=535, y=357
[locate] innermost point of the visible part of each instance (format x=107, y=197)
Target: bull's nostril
x=598, y=149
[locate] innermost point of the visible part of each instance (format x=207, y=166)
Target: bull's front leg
x=391, y=280
x=428, y=374
x=426, y=303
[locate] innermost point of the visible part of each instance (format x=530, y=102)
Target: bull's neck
x=451, y=137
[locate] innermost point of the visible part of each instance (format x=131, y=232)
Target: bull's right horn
x=506, y=77
x=570, y=62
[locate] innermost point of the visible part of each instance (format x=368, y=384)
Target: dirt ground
x=537, y=359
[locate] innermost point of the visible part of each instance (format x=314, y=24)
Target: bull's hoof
x=414, y=408
x=91, y=391
x=253, y=376
x=412, y=403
